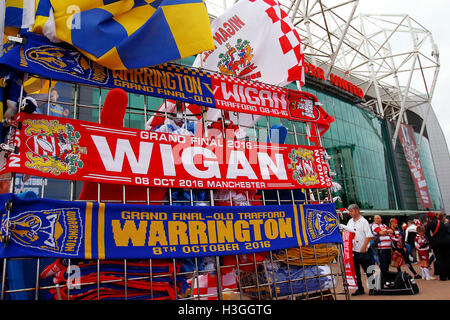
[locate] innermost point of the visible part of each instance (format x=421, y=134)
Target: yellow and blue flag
x=42, y=15
x=19, y=13
x=130, y=34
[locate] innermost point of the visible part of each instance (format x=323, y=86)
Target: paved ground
x=428, y=290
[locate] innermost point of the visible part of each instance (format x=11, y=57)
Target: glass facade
x=356, y=144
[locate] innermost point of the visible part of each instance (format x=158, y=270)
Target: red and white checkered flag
x=255, y=39
x=289, y=40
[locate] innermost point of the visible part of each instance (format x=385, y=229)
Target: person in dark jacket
x=441, y=216
x=437, y=233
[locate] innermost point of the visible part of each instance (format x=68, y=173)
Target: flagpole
x=2, y=24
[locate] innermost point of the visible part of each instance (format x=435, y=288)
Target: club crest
x=302, y=108
x=53, y=147
x=56, y=230
x=69, y=62
x=303, y=166
x=320, y=224
x=237, y=60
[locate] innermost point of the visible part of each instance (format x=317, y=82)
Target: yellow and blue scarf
x=89, y=230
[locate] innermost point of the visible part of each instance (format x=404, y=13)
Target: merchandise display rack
x=255, y=279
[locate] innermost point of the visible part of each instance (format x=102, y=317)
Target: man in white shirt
x=361, y=242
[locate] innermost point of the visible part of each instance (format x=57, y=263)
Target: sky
x=432, y=15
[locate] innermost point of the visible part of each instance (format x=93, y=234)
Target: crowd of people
x=392, y=246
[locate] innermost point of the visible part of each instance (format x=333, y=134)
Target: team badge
x=303, y=166
x=301, y=107
x=237, y=60
x=320, y=224
x=69, y=62
x=55, y=230
x=53, y=147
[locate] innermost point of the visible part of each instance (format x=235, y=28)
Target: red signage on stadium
x=318, y=73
